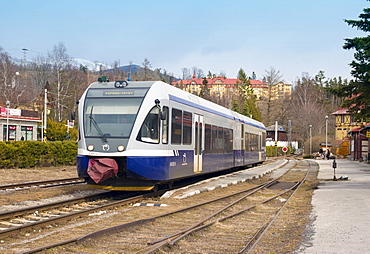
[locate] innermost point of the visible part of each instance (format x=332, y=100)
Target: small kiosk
x=19, y=124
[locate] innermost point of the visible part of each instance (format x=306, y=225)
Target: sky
x=290, y=36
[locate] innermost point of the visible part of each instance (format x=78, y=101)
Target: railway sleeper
x=10, y=224
x=34, y=217
x=22, y=220
x=47, y=215
x=58, y=212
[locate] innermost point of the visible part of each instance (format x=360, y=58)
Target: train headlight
x=90, y=147
x=120, y=148
x=120, y=84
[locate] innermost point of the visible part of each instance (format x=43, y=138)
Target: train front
x=107, y=113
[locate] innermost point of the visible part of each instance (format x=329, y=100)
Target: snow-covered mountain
x=91, y=65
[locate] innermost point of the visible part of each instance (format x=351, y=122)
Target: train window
x=208, y=138
x=229, y=140
x=200, y=138
x=220, y=140
x=214, y=139
x=263, y=141
x=176, y=126
x=112, y=119
x=149, y=131
x=251, y=142
x=242, y=139
x=196, y=139
x=165, y=126
x=187, y=128
x=247, y=140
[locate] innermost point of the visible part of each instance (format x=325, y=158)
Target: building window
x=26, y=132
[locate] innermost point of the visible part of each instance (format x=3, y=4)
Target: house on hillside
x=221, y=86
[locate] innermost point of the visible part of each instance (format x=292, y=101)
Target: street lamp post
x=7, y=120
x=44, y=124
x=326, y=132
x=310, y=138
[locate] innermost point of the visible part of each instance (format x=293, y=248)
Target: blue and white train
x=138, y=135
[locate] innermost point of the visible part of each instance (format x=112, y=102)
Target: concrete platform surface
x=341, y=210
x=229, y=179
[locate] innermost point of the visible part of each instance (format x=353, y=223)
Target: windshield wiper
x=92, y=120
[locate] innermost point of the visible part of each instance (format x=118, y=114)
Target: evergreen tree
x=204, y=91
x=358, y=90
x=249, y=106
x=235, y=106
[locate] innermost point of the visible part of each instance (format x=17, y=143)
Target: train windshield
x=112, y=118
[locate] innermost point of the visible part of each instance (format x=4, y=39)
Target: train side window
x=196, y=150
x=263, y=141
x=208, y=139
x=226, y=141
x=253, y=144
x=200, y=138
x=220, y=140
x=247, y=140
x=165, y=126
x=230, y=141
x=176, y=125
x=187, y=128
x=149, y=131
x=214, y=139
x=242, y=139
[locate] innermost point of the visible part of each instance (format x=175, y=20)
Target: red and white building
x=17, y=123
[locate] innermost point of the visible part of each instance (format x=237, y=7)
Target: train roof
x=181, y=96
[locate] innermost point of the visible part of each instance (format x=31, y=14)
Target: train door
x=198, y=143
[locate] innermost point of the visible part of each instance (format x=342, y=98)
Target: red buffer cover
x=101, y=169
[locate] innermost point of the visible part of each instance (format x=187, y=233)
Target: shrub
x=28, y=154
x=308, y=156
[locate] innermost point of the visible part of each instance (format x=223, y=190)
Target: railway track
x=233, y=223
x=14, y=221
x=42, y=184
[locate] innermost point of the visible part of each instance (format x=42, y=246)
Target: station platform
x=229, y=179
x=341, y=210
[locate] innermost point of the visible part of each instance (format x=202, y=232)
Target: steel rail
x=171, y=240
x=65, y=217
x=44, y=184
x=119, y=228
x=262, y=231
x=105, y=231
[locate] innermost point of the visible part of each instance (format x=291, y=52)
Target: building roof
x=216, y=81
x=356, y=129
x=341, y=111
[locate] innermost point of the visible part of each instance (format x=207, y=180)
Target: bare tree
x=307, y=107
x=272, y=78
x=40, y=72
x=146, y=68
x=223, y=73
x=61, y=63
x=197, y=73
x=7, y=73
x=185, y=73
x=14, y=86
